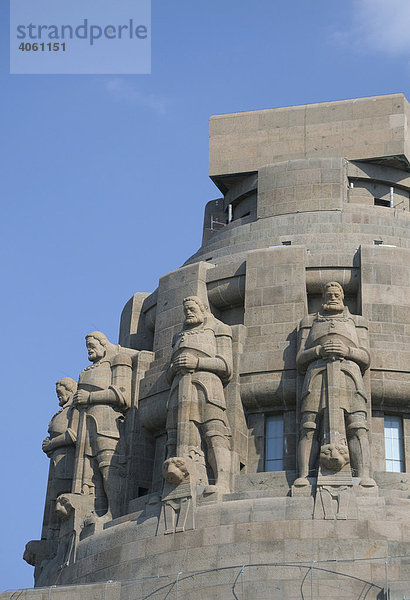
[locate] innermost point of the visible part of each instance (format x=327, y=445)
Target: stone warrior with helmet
x=333, y=357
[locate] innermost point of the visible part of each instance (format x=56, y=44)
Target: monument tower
x=248, y=437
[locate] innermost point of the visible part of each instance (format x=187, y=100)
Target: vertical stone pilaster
x=234, y=407
x=140, y=443
x=173, y=288
x=134, y=332
x=385, y=299
x=275, y=301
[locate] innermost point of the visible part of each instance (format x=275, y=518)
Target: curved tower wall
x=309, y=194
x=295, y=224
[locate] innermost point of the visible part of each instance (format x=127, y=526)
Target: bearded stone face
x=95, y=349
x=193, y=314
x=63, y=393
x=334, y=456
x=333, y=300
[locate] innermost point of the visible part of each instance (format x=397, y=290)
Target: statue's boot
x=308, y=451
x=220, y=461
x=360, y=451
x=301, y=482
x=112, y=482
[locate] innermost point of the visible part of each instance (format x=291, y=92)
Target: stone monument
x=249, y=436
x=197, y=427
x=333, y=358
x=103, y=397
x=59, y=446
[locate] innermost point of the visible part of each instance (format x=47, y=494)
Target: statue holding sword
x=103, y=397
x=201, y=364
x=333, y=356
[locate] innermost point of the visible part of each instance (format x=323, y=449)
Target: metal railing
x=311, y=580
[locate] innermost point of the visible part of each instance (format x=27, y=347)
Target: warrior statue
x=103, y=396
x=60, y=448
x=333, y=357
x=201, y=364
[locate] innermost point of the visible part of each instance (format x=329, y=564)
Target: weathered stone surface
x=355, y=129
x=312, y=195
x=197, y=425
x=334, y=443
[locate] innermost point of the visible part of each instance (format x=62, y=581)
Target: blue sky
x=103, y=182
